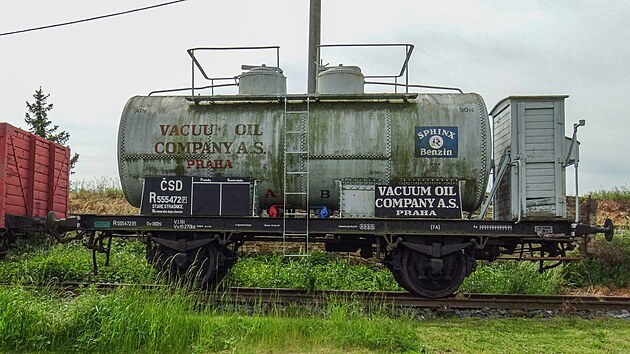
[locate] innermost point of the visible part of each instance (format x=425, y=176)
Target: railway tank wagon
x=400, y=176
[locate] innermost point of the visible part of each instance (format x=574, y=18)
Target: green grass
x=166, y=320
x=159, y=321
x=513, y=277
x=36, y=260
x=319, y=271
x=325, y=271
x=130, y=320
x=526, y=336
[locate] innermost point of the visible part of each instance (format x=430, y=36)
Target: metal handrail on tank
x=412, y=85
x=212, y=86
x=404, y=70
x=197, y=64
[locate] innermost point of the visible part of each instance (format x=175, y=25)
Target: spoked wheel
x=432, y=277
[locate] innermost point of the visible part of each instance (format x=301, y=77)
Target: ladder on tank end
x=296, y=175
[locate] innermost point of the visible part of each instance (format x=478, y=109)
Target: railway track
x=462, y=301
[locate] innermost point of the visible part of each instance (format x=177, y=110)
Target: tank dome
x=340, y=80
x=262, y=80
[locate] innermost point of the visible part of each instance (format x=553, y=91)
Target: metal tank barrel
x=392, y=139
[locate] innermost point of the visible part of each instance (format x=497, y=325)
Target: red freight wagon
x=34, y=176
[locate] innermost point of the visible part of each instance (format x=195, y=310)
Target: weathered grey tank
x=376, y=138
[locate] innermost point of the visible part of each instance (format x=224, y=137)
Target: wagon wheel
x=163, y=260
x=203, y=267
x=394, y=264
x=432, y=277
x=159, y=256
x=226, y=260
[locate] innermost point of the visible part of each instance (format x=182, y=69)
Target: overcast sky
x=495, y=48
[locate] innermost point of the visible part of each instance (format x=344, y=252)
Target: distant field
x=102, y=196
x=615, y=194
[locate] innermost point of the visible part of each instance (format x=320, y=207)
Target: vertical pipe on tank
x=314, y=37
x=193, y=77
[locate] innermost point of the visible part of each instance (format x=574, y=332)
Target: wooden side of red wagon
x=34, y=175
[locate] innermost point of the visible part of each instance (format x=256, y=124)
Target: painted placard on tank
x=166, y=196
x=440, y=142
x=221, y=196
x=196, y=196
x=418, y=201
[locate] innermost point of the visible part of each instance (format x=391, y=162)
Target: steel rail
x=565, y=303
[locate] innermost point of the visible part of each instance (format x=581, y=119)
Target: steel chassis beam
x=265, y=227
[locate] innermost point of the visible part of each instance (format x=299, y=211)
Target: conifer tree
x=40, y=125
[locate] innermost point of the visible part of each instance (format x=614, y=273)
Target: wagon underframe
x=427, y=257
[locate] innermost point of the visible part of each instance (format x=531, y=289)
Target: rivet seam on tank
x=349, y=157
x=388, y=147
x=162, y=157
x=482, y=180
x=122, y=164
